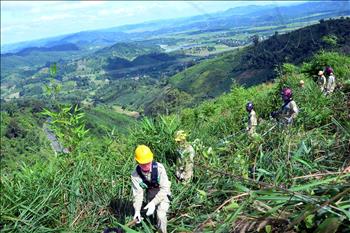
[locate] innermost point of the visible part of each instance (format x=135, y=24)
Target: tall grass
x=295, y=183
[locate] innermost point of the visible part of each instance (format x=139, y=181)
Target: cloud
x=104, y=12
x=5, y=29
x=36, y=7
x=121, y=11
x=79, y=5
x=54, y=17
x=25, y=5
x=15, y=27
x=35, y=10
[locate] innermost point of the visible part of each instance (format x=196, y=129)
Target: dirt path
x=126, y=112
x=55, y=144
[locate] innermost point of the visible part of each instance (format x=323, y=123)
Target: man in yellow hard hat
x=150, y=178
x=184, y=168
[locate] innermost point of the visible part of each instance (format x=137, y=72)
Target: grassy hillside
x=256, y=64
x=22, y=128
x=209, y=78
x=298, y=184
x=21, y=136
x=102, y=120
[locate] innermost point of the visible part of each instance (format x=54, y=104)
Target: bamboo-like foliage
x=285, y=179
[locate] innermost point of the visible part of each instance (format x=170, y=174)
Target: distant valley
x=183, y=61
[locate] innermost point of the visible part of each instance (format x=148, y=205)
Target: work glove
x=137, y=217
x=180, y=175
x=150, y=207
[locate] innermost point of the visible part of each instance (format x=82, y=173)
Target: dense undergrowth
x=296, y=182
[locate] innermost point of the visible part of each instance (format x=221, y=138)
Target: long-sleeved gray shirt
x=291, y=110
x=252, y=120
x=322, y=82
x=138, y=191
x=331, y=83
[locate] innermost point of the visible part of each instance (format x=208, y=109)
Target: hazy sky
x=28, y=20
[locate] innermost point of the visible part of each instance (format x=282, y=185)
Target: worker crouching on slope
x=289, y=110
x=150, y=178
x=252, y=120
x=185, y=161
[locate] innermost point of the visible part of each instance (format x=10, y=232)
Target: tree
x=14, y=130
x=330, y=40
x=255, y=39
x=9, y=107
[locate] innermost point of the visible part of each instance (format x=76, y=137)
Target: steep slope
x=285, y=178
x=209, y=78
x=246, y=182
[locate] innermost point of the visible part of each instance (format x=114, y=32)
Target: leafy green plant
x=68, y=125
x=158, y=134
x=65, y=120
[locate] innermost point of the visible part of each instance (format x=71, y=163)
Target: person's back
x=330, y=83
x=252, y=119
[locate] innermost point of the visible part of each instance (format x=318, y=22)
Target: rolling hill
x=256, y=64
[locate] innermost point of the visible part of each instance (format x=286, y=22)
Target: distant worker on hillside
x=330, y=84
x=252, y=120
x=301, y=84
x=321, y=80
x=289, y=110
x=185, y=161
x=150, y=176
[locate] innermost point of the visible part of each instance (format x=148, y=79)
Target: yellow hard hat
x=320, y=72
x=180, y=136
x=301, y=82
x=143, y=154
